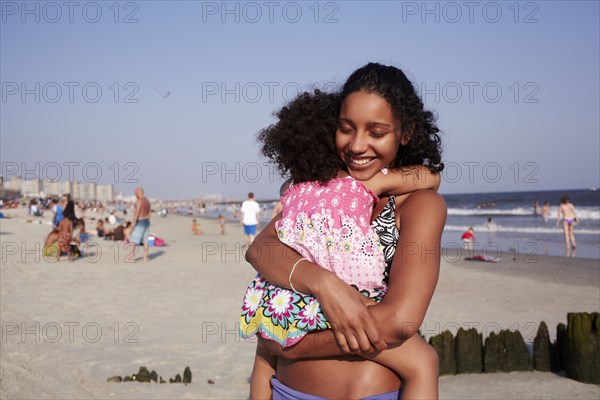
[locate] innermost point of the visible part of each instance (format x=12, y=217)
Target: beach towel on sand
x=480, y=257
x=155, y=241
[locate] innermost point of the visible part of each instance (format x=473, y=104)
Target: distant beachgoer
x=196, y=228
x=568, y=215
x=546, y=212
x=278, y=206
x=65, y=232
x=118, y=233
x=112, y=218
x=276, y=209
x=35, y=208
x=140, y=223
x=250, y=217
x=51, y=246
x=468, y=238
x=57, y=211
x=76, y=235
x=100, y=228
x=536, y=206
x=491, y=225
x=127, y=231
x=222, y=224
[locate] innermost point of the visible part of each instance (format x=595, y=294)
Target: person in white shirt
x=250, y=215
x=112, y=218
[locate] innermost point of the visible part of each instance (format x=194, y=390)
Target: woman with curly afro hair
x=382, y=143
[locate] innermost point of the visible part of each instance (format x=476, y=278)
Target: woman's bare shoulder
x=420, y=201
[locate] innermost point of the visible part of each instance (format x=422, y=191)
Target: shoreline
x=181, y=308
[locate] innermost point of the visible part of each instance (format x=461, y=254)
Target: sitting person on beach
x=79, y=233
x=51, y=246
x=100, y=228
x=196, y=228
x=468, y=238
x=65, y=232
x=127, y=231
x=118, y=233
x=107, y=232
x=325, y=218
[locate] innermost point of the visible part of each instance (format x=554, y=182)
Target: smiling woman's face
x=368, y=136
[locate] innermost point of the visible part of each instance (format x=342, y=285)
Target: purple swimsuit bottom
x=282, y=392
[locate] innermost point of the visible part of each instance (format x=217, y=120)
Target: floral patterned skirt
x=283, y=315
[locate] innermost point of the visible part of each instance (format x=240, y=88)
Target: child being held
x=325, y=218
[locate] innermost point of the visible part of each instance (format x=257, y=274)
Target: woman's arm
x=415, y=268
x=413, y=278
x=345, y=307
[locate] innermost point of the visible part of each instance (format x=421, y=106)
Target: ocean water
x=517, y=230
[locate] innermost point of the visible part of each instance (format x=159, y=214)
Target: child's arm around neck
x=404, y=180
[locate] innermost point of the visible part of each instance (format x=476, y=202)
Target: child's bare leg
x=264, y=368
x=417, y=364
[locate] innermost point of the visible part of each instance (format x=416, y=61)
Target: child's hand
x=270, y=345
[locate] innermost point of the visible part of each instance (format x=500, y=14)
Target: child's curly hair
x=302, y=142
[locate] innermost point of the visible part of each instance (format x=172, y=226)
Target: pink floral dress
x=329, y=224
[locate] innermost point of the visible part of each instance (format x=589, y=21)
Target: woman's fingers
x=353, y=345
x=362, y=336
x=341, y=341
x=354, y=328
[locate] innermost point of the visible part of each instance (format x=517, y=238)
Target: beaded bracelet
x=292, y=273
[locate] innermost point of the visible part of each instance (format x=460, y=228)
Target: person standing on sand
x=568, y=215
x=222, y=224
x=57, y=211
x=140, y=223
x=250, y=217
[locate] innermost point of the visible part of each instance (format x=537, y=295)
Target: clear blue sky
x=515, y=85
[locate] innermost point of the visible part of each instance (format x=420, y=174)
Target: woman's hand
x=344, y=306
x=346, y=310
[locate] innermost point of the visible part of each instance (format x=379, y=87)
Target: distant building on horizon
x=58, y=188
x=212, y=197
x=33, y=188
x=104, y=192
x=86, y=191
x=13, y=184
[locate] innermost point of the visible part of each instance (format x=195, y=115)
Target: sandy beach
x=68, y=326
